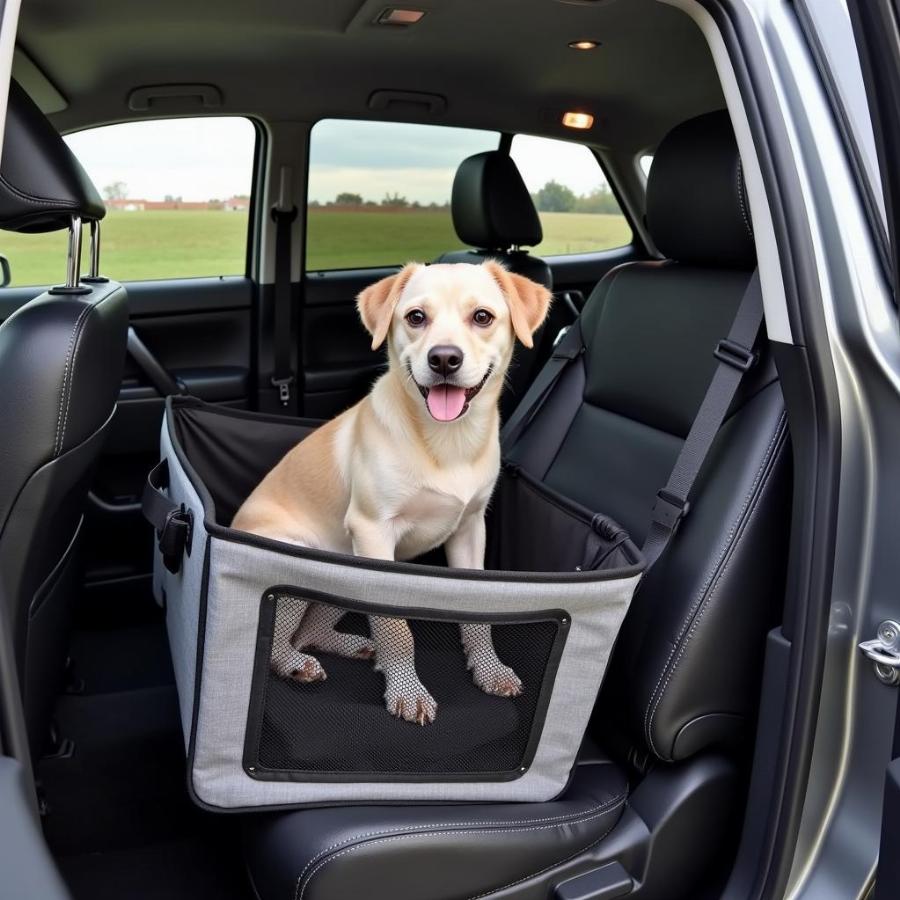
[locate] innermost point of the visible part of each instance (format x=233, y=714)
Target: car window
x=645, y=162
x=177, y=193
x=579, y=212
x=379, y=192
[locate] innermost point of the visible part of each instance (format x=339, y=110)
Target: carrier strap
x=570, y=348
x=282, y=333
x=736, y=357
x=173, y=522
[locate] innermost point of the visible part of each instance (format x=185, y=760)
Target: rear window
x=379, y=192
x=177, y=193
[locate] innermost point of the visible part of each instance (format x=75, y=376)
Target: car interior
x=655, y=804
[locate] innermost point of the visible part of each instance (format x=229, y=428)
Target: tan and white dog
x=409, y=468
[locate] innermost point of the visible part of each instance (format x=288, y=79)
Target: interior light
x=403, y=17
x=584, y=45
x=581, y=120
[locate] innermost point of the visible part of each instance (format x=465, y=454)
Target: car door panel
x=338, y=361
x=199, y=331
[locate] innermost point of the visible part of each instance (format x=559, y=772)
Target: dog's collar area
x=470, y=392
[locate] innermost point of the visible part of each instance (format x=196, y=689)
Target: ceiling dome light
x=584, y=45
x=580, y=120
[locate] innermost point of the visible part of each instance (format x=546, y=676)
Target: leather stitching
x=69, y=371
x=594, y=813
x=34, y=199
x=707, y=592
x=57, y=444
x=741, y=194
x=370, y=834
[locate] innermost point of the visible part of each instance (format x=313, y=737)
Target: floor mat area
x=119, y=820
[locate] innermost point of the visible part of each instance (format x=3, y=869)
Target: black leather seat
x=494, y=213
x=679, y=700
x=61, y=358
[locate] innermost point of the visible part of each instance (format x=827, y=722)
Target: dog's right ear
x=377, y=302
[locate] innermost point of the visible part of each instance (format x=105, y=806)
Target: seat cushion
x=438, y=852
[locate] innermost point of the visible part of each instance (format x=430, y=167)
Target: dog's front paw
x=299, y=666
x=411, y=704
x=497, y=679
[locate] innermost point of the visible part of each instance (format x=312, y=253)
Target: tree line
x=552, y=197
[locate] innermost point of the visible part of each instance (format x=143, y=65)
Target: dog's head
x=450, y=329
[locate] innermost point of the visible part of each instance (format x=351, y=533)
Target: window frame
x=304, y=213
x=257, y=180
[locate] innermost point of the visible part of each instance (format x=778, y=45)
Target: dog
x=409, y=468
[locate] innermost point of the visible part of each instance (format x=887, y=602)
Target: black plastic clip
x=175, y=537
x=734, y=355
x=669, y=510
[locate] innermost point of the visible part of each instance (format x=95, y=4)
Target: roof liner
x=501, y=64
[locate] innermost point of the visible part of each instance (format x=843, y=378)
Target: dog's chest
x=429, y=515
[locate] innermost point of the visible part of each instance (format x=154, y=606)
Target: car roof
x=500, y=64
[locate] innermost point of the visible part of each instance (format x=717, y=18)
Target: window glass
x=177, y=193
x=579, y=212
x=379, y=192
x=646, y=162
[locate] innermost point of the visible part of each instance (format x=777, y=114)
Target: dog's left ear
x=376, y=303
x=527, y=300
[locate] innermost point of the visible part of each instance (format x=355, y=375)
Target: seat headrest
x=492, y=209
x=42, y=184
x=697, y=210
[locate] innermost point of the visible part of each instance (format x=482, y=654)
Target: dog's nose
x=445, y=359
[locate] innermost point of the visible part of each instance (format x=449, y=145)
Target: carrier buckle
x=734, y=355
x=284, y=388
x=669, y=510
x=175, y=537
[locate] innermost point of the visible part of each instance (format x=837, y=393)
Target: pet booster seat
x=557, y=583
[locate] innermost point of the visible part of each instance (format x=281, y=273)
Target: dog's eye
x=483, y=318
x=416, y=318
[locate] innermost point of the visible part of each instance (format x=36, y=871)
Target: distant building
x=240, y=204
x=237, y=204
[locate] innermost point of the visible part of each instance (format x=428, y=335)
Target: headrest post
x=73, y=258
x=95, y=249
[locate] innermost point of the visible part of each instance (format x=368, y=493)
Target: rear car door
x=177, y=234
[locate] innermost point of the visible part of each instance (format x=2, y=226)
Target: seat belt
x=569, y=348
x=736, y=357
x=284, y=215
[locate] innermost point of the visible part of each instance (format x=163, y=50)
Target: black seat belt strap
x=736, y=357
x=569, y=348
x=283, y=333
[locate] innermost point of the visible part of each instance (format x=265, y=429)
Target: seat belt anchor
x=669, y=510
x=284, y=388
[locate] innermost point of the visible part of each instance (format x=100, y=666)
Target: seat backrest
x=61, y=358
x=494, y=214
x=684, y=672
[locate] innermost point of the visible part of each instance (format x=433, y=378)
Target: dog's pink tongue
x=446, y=401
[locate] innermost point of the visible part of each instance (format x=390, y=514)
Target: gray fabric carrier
x=559, y=583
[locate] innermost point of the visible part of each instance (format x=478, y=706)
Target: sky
x=202, y=159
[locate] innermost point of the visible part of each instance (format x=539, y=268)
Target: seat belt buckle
x=175, y=537
x=669, y=510
x=734, y=355
x=284, y=388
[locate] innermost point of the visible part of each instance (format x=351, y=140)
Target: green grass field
x=185, y=243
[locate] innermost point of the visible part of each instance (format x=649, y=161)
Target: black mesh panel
x=306, y=726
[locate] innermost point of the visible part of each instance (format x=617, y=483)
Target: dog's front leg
x=465, y=550
x=405, y=696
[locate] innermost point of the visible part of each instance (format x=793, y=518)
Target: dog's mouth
x=447, y=402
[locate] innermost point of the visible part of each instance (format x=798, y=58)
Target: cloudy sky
x=200, y=159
